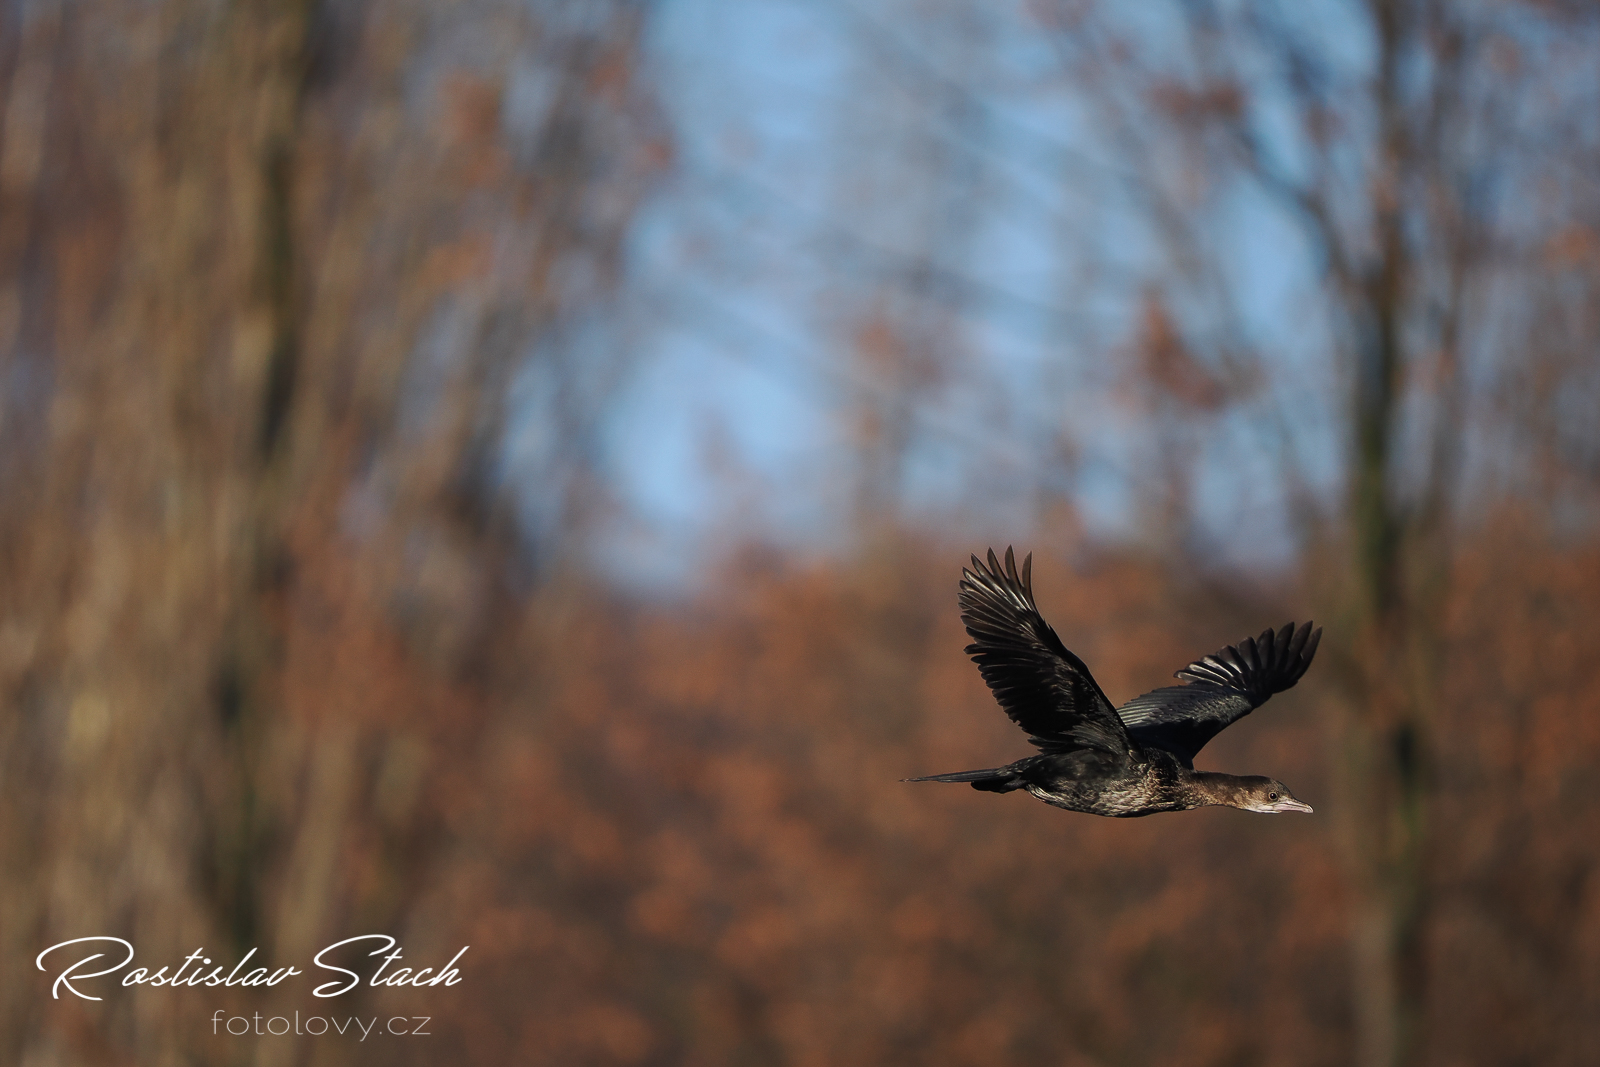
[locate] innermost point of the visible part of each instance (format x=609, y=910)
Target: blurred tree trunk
x=1384, y=748
x=1392, y=612
x=262, y=299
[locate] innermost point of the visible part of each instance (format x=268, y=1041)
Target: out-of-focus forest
x=496, y=473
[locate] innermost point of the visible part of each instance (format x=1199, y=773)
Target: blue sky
x=825, y=152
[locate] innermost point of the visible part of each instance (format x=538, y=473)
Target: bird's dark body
x=1096, y=783
x=1123, y=792
x=1126, y=762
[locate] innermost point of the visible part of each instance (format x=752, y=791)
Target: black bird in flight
x=1134, y=760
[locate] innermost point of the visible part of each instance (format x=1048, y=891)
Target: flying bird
x=1129, y=761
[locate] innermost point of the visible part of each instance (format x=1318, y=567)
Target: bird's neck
x=1209, y=787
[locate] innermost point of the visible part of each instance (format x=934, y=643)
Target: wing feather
x=1044, y=688
x=1222, y=688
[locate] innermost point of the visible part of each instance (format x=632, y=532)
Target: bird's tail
x=995, y=780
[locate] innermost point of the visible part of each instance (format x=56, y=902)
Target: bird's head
x=1268, y=795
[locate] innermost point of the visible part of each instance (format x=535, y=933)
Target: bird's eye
x=1272, y=796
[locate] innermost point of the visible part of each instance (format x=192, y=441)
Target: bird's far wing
x=1044, y=688
x=1223, y=688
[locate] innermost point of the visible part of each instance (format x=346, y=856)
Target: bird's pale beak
x=1290, y=804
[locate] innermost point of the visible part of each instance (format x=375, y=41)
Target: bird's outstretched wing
x=1223, y=688
x=1044, y=688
